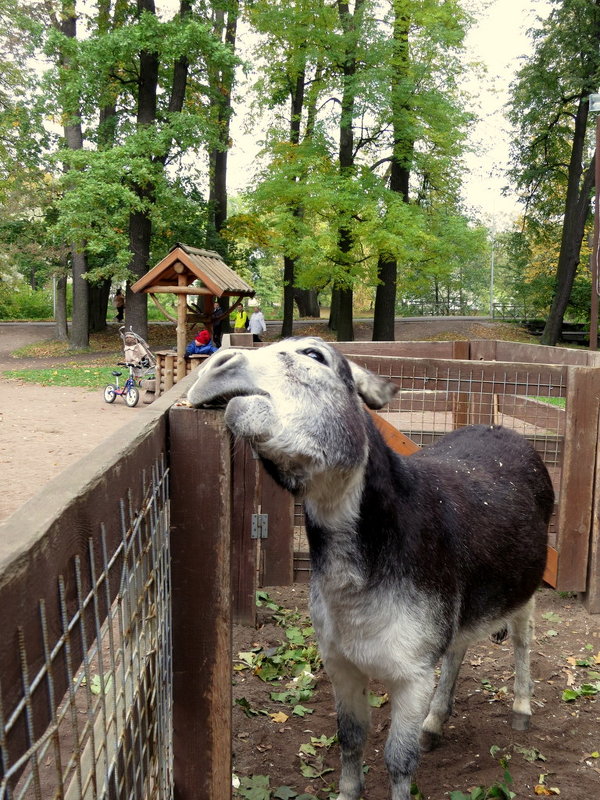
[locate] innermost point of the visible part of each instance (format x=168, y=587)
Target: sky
x=499, y=41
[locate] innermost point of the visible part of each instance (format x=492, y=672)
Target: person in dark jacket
x=201, y=345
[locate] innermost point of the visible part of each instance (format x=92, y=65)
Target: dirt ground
x=559, y=752
x=43, y=429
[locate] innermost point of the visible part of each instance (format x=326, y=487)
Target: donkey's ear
x=374, y=390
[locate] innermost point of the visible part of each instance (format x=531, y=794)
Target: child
x=201, y=345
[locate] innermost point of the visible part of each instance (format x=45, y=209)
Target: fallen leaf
x=546, y=791
x=279, y=717
x=570, y=677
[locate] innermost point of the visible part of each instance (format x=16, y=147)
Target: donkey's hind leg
x=521, y=629
x=443, y=698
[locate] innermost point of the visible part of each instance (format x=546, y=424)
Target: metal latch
x=260, y=526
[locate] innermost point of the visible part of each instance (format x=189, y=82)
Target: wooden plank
x=461, y=400
x=201, y=591
x=551, y=571
x=412, y=349
x=461, y=350
x=577, y=483
x=169, y=371
x=540, y=354
x=484, y=350
x=591, y=597
x=394, y=439
x=545, y=380
x=460, y=409
x=244, y=549
x=277, y=551
x=534, y=412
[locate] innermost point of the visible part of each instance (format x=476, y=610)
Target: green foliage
x=551, y=154
x=500, y=789
x=585, y=690
x=303, y=199
x=296, y=658
x=21, y=302
x=313, y=756
x=257, y=787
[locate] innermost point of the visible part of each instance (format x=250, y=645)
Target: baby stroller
x=140, y=362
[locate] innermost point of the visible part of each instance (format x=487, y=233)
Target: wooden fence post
x=578, y=479
x=244, y=549
x=201, y=590
x=277, y=568
x=591, y=597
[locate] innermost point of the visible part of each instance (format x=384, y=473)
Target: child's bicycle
x=129, y=390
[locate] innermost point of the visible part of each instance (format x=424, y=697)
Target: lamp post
x=595, y=107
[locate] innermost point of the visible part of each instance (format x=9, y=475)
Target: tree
x=293, y=35
x=552, y=150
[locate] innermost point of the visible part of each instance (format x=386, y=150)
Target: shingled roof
x=206, y=266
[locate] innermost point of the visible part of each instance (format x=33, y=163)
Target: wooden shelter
x=182, y=267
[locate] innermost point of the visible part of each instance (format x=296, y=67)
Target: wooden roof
x=206, y=266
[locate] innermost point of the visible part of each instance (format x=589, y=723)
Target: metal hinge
x=260, y=526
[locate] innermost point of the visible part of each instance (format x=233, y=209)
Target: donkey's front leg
x=409, y=703
x=351, y=696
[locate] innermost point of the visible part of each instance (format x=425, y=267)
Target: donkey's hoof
x=430, y=740
x=520, y=721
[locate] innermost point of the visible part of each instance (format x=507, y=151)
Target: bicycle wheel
x=132, y=397
x=110, y=393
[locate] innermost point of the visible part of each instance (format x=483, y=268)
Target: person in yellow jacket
x=240, y=319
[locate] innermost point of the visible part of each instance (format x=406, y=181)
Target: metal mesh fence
x=435, y=398
x=110, y=733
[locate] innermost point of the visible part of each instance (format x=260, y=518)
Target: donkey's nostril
x=224, y=358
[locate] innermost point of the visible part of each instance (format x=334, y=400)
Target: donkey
x=413, y=558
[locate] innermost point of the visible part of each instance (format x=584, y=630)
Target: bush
x=23, y=302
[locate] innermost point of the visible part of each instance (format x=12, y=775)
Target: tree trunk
x=345, y=331
x=61, y=328
x=401, y=163
x=307, y=301
x=221, y=82
x=287, y=325
x=345, y=328
x=98, y=302
x=140, y=222
x=80, y=320
x=73, y=135
x=334, y=310
x=385, y=301
x=289, y=263
x=136, y=304
x=576, y=210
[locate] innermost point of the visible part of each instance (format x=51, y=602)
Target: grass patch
x=559, y=402
x=90, y=376
x=108, y=341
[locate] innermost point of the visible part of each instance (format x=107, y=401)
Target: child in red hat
x=201, y=345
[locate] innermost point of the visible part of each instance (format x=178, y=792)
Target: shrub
x=23, y=302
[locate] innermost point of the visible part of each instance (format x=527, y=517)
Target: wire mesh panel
x=437, y=396
x=109, y=734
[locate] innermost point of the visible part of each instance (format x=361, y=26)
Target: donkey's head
x=298, y=402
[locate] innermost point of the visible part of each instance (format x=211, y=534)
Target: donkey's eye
x=312, y=352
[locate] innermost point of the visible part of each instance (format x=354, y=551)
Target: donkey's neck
x=352, y=521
